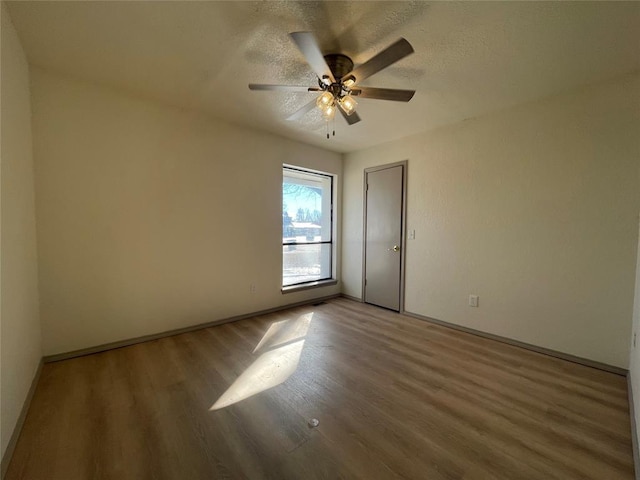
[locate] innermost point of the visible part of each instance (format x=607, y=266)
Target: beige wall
x=534, y=209
x=21, y=347
x=152, y=218
x=634, y=360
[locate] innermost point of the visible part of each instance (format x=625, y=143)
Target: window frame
x=331, y=279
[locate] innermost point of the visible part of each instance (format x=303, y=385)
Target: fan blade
x=388, y=56
x=384, y=93
x=282, y=88
x=351, y=119
x=308, y=45
x=303, y=111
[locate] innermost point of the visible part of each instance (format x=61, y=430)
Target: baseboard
x=146, y=338
x=634, y=430
x=355, y=299
x=516, y=343
x=17, y=429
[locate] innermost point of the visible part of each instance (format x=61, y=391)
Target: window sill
x=307, y=286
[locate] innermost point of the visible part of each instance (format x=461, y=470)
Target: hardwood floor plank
x=396, y=397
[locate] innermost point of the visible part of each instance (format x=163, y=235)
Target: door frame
x=403, y=228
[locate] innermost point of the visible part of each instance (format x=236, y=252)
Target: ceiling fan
x=338, y=80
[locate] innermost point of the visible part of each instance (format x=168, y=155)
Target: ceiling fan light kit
x=337, y=79
x=329, y=112
x=348, y=104
x=325, y=99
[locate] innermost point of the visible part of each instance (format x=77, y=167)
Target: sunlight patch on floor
x=282, y=345
x=283, y=332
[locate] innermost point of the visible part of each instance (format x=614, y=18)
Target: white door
x=383, y=236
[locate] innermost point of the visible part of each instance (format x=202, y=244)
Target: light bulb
x=349, y=81
x=348, y=104
x=329, y=112
x=324, y=100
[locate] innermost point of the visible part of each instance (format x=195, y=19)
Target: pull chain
x=333, y=129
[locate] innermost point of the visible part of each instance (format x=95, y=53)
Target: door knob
x=396, y=248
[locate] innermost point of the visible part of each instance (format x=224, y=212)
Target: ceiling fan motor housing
x=339, y=65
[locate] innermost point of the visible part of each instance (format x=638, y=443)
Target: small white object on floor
x=313, y=423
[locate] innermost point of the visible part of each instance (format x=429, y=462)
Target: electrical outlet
x=474, y=300
x=252, y=288
x=412, y=234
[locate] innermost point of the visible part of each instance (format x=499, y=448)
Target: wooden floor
x=395, y=397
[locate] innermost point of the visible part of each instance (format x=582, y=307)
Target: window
x=307, y=227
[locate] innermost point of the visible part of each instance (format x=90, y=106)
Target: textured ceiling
x=471, y=57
